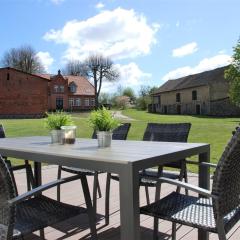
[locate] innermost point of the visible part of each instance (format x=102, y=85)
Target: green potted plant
x=103, y=122
x=55, y=121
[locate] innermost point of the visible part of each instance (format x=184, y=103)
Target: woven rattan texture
x=226, y=180
x=169, y=132
x=7, y=192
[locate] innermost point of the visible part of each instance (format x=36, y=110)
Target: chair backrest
x=119, y=133
x=167, y=132
x=7, y=212
x=226, y=180
x=2, y=132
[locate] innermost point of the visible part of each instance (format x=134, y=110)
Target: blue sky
x=150, y=41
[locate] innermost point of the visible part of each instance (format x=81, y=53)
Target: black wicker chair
x=26, y=166
x=218, y=210
x=120, y=133
x=31, y=211
x=165, y=132
x=176, y=132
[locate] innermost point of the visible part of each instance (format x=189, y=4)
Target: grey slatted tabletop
x=125, y=158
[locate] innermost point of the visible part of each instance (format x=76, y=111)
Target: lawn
x=215, y=131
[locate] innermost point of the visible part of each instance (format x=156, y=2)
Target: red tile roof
x=84, y=87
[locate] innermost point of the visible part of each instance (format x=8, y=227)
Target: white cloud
x=130, y=76
x=204, y=65
x=57, y=1
x=187, y=49
x=99, y=5
x=46, y=59
x=119, y=34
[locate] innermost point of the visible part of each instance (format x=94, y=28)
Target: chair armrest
x=207, y=164
x=188, y=186
x=42, y=188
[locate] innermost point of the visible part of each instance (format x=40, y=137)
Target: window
x=86, y=101
x=61, y=89
x=55, y=88
x=78, y=102
x=194, y=95
x=92, y=102
x=8, y=76
x=159, y=99
x=73, y=88
x=71, y=102
x=178, y=97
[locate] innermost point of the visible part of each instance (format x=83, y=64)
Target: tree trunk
x=95, y=89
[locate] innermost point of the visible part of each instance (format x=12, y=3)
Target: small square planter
x=104, y=139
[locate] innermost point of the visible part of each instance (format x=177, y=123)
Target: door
x=165, y=109
x=198, y=109
x=178, y=109
x=59, y=103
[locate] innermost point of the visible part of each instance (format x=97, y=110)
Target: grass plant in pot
x=55, y=121
x=103, y=122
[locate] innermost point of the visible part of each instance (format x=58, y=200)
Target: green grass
x=215, y=131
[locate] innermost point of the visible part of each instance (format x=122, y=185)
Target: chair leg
x=186, y=179
x=42, y=235
x=95, y=186
x=174, y=230
x=182, y=175
x=221, y=231
x=99, y=189
x=155, y=229
x=147, y=194
x=58, y=186
x=155, y=221
x=29, y=175
x=91, y=213
x=107, y=198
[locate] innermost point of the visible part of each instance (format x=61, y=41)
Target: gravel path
x=119, y=115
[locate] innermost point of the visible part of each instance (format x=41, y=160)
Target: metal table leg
x=129, y=204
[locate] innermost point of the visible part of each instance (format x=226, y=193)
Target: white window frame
x=73, y=88
x=86, y=102
x=61, y=88
x=56, y=87
x=92, y=102
x=78, y=102
x=71, y=102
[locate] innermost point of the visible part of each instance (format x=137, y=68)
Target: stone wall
x=223, y=107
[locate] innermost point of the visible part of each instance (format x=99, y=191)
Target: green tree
x=130, y=93
x=232, y=74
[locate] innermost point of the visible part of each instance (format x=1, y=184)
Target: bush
x=142, y=102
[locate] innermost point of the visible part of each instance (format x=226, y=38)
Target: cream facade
x=200, y=94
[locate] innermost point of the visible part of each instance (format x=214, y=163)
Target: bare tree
x=75, y=68
x=23, y=58
x=95, y=67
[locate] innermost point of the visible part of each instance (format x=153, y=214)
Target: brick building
x=204, y=93
x=31, y=95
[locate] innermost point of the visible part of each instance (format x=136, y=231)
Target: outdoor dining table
x=125, y=158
